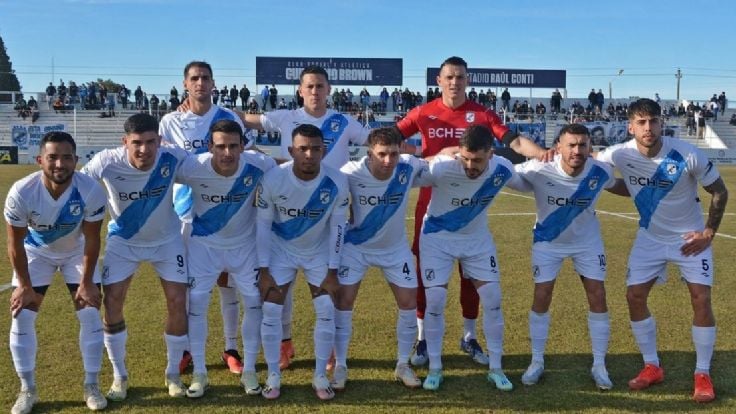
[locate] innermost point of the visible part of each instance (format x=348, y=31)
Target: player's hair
x=227, y=126
x=454, y=61
x=307, y=130
x=140, y=123
x=384, y=136
x=57, y=136
x=476, y=138
x=197, y=64
x=314, y=70
x=644, y=106
x=574, y=129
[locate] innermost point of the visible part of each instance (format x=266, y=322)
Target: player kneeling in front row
x=566, y=191
x=380, y=184
x=301, y=221
x=222, y=238
x=139, y=177
x=456, y=227
x=54, y=218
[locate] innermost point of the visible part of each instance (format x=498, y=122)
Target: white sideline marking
x=5, y=287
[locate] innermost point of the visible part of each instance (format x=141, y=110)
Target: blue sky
x=148, y=42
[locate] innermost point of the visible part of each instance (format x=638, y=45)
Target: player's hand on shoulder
x=547, y=155
x=184, y=106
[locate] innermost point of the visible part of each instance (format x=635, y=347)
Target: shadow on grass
x=566, y=386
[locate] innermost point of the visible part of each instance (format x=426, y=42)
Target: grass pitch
x=566, y=387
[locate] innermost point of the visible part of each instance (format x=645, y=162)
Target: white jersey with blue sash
x=191, y=132
x=378, y=207
x=140, y=202
x=565, y=204
x=338, y=130
x=664, y=188
x=299, y=210
x=223, y=210
x=54, y=226
x=459, y=204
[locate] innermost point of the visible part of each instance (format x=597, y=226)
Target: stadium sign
x=509, y=78
x=28, y=136
x=341, y=71
x=8, y=155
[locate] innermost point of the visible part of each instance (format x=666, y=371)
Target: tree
x=8, y=80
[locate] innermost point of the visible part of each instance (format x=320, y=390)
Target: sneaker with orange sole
x=650, y=375
x=287, y=353
x=233, y=361
x=703, y=388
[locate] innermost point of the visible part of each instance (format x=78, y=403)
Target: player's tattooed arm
x=718, y=202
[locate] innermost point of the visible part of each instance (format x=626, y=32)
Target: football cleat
x=118, y=390
x=499, y=379
x=600, y=377
x=272, y=388
x=650, y=375
x=249, y=381
x=532, y=374
x=339, y=378
x=185, y=362
x=198, y=386
x=175, y=386
x=93, y=397
x=419, y=357
x=25, y=402
x=287, y=353
x=234, y=362
x=473, y=348
x=433, y=380
x=322, y=388
x=405, y=375
x=703, y=388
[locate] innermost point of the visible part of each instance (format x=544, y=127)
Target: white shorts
x=206, y=263
x=649, y=258
x=398, y=267
x=477, y=257
x=284, y=265
x=41, y=269
x=121, y=261
x=589, y=261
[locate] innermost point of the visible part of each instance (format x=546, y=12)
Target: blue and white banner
x=509, y=78
x=341, y=71
x=25, y=136
x=535, y=131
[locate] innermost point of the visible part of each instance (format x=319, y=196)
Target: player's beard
x=59, y=176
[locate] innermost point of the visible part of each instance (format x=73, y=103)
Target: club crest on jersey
x=429, y=274
x=335, y=125
x=402, y=177
x=248, y=181
x=671, y=169
x=165, y=171
x=497, y=181
x=593, y=183
x=324, y=196
x=470, y=117
x=75, y=209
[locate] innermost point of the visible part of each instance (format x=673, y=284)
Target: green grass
x=565, y=388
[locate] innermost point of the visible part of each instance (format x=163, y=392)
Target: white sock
x=115, y=345
x=406, y=328
x=271, y=335
x=324, y=332
x=469, y=329
x=434, y=324
x=490, y=299
x=420, y=329
x=230, y=311
x=23, y=346
x=175, y=347
x=599, y=329
x=90, y=341
x=286, y=315
x=251, y=331
x=538, y=333
x=704, y=339
x=197, y=325
x=343, y=331
x=645, y=333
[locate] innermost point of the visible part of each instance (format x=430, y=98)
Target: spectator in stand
x=700, y=119
x=599, y=100
x=418, y=99
x=154, y=106
x=50, y=92
x=73, y=92
x=58, y=105
x=224, y=96
x=83, y=95
x=473, y=95
x=138, y=95
x=541, y=109
x=407, y=97
x=492, y=100
x=483, y=98
x=337, y=100
x=349, y=98
x=244, y=96
x=264, y=97
x=124, y=94
x=21, y=106
x=733, y=120
x=174, y=102
x=365, y=98
x=174, y=92
x=657, y=99
x=282, y=104
x=384, y=99
x=556, y=101
x=394, y=97
x=61, y=90
x=505, y=99
x=722, y=102
x=103, y=93
x=690, y=122
x=430, y=95
x=233, y=97
x=32, y=104
x=592, y=98
x=110, y=101
x=215, y=95
x=144, y=103
x=273, y=95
